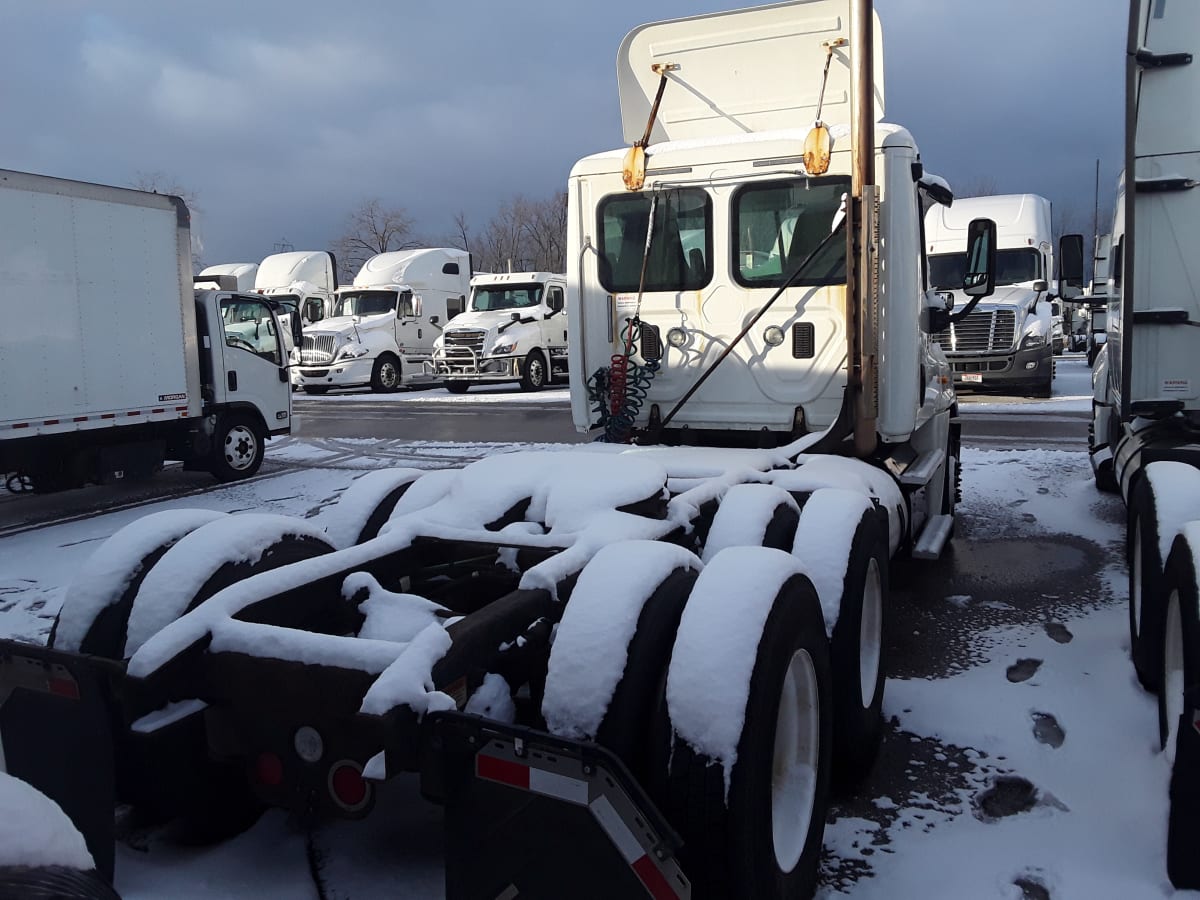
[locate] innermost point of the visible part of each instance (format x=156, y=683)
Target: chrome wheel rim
x=795, y=760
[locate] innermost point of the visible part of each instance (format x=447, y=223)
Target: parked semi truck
x=381, y=330
x=1097, y=299
x=1010, y=341
x=302, y=280
x=514, y=329
x=626, y=671
x=227, y=277
x=110, y=362
x=1145, y=435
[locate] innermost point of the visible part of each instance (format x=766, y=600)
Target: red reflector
x=63, y=687
x=268, y=769
x=503, y=771
x=653, y=879
x=50, y=422
x=348, y=786
x=21, y=425
x=79, y=419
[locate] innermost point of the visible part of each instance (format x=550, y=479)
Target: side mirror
x=433, y=320
x=1070, y=266
x=515, y=317
x=980, y=279
x=1041, y=285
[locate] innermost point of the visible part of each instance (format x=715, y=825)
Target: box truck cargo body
x=109, y=360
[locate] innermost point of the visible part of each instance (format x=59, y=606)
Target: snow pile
x=345, y=521
x=823, y=540
x=102, y=580
x=746, y=511
x=307, y=647
x=610, y=483
x=34, y=831
x=390, y=616
x=425, y=491
x=591, y=645
x=173, y=583
x=708, y=681
x=493, y=700
x=409, y=681
x=815, y=472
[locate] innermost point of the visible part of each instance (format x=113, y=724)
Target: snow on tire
x=210, y=559
x=95, y=611
x=843, y=543
x=749, y=704
x=755, y=515
x=366, y=506
x=1160, y=502
x=604, y=678
x=1178, y=702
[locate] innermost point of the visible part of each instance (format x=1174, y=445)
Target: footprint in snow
x=1023, y=670
x=1007, y=795
x=1032, y=887
x=1059, y=632
x=1047, y=730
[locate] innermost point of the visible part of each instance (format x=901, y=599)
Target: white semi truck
x=110, y=362
x=627, y=671
x=1145, y=437
x=227, y=277
x=381, y=330
x=514, y=329
x=1009, y=341
x=301, y=280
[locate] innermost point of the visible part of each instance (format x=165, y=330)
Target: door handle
x=231, y=378
x=418, y=334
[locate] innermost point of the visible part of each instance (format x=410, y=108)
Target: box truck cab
x=514, y=329
x=381, y=329
x=1007, y=341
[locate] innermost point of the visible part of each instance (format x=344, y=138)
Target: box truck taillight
x=347, y=786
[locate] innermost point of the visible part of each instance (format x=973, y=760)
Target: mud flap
x=534, y=817
x=1183, y=826
x=56, y=734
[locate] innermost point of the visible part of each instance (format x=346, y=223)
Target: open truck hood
x=739, y=72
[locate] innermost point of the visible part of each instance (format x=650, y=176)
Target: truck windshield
x=365, y=303
x=777, y=224
x=505, y=296
x=946, y=270
x=680, y=247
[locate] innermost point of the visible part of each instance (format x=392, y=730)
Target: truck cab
x=514, y=329
x=1009, y=341
x=381, y=330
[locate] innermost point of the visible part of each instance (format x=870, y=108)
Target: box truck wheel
x=456, y=387
x=316, y=389
x=237, y=449
x=533, y=372
x=385, y=374
x=749, y=770
x=604, y=680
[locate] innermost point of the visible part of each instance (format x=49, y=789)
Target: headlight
x=1033, y=341
x=505, y=348
x=351, y=351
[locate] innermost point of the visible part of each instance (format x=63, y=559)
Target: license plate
x=972, y=378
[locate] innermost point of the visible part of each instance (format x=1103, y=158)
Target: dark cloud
x=282, y=117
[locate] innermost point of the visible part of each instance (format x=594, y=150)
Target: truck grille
x=982, y=332
x=318, y=348
x=463, y=343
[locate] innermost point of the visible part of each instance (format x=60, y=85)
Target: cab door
x=255, y=370
x=414, y=334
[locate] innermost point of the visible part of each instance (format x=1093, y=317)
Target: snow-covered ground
x=1076, y=727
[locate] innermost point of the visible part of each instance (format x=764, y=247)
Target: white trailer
x=589, y=654
x=381, y=329
x=1009, y=341
x=1145, y=436
x=514, y=329
x=111, y=362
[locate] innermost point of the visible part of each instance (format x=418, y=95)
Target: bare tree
x=462, y=233
x=526, y=235
x=372, y=228
x=162, y=183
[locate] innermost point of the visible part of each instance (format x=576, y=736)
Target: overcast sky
x=282, y=117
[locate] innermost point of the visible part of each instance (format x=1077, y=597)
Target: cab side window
x=250, y=327
x=554, y=298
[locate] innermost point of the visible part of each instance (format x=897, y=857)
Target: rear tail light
x=347, y=786
x=268, y=769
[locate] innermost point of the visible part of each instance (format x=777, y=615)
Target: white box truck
x=1145, y=435
x=381, y=329
x=110, y=362
x=1009, y=341
x=514, y=329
